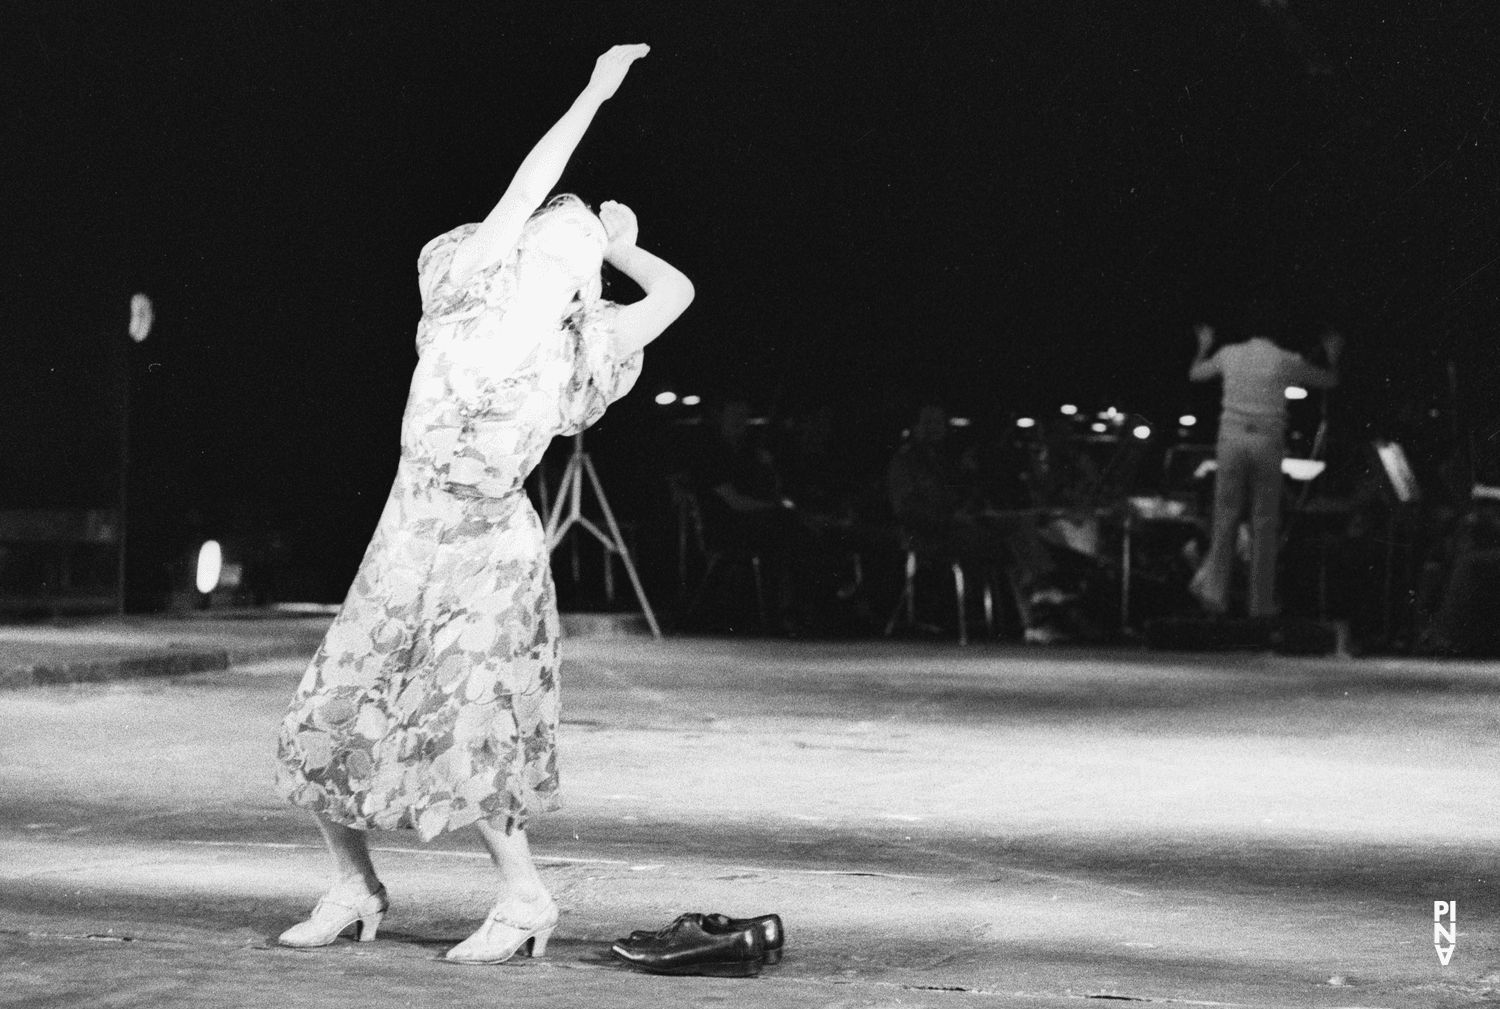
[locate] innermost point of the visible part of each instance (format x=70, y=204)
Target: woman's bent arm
x=539, y=172
x=668, y=294
x=668, y=291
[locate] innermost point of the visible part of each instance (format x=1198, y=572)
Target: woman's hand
x=542, y=168
x=611, y=68
x=619, y=224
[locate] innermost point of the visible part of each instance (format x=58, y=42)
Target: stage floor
x=938, y=827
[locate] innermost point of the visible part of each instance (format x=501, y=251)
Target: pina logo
x=1440, y=934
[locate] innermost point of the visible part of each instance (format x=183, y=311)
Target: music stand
x=1403, y=486
x=1398, y=472
x=570, y=496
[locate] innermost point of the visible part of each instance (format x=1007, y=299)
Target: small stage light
x=1187, y=420
x=958, y=421
x=1099, y=427
x=1296, y=392
x=1025, y=422
x=210, y=566
x=141, y=317
x=666, y=398
x=1142, y=432
x=1302, y=469
x=691, y=400
x=1068, y=409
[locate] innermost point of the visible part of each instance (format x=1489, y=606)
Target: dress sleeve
x=486, y=293
x=432, y=268
x=600, y=376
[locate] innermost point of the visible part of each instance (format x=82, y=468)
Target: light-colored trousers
x=1249, y=461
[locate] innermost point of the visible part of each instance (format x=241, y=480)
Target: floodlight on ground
x=1025, y=422
x=958, y=421
x=210, y=566
x=1068, y=409
x=1142, y=431
x=666, y=398
x=1187, y=420
x=1099, y=427
x=691, y=400
x=1296, y=392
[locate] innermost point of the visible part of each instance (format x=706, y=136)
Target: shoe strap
x=352, y=909
x=531, y=926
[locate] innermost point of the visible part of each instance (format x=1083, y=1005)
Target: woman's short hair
x=561, y=200
x=591, y=290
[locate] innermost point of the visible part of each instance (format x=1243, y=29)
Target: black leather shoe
x=643, y=934
x=768, y=925
x=686, y=947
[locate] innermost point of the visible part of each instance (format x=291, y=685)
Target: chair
x=919, y=554
x=717, y=551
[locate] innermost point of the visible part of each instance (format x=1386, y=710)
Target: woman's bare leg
x=351, y=856
x=522, y=917
x=522, y=893
x=351, y=900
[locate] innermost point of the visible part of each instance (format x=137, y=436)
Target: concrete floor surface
x=938, y=827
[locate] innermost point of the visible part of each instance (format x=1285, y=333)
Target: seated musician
x=935, y=500
x=748, y=509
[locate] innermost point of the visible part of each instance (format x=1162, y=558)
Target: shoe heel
x=772, y=956
x=365, y=928
x=537, y=944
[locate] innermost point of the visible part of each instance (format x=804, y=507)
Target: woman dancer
x=432, y=703
x=1252, y=424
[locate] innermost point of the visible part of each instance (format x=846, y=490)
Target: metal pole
x=556, y=527
x=1390, y=562
x=142, y=315
x=619, y=543
x=570, y=495
x=124, y=495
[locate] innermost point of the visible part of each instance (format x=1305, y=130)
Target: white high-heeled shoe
x=331, y=917
x=499, y=939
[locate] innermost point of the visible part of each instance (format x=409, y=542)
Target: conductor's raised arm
x=1203, y=367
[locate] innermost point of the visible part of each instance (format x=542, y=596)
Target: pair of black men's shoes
x=710, y=944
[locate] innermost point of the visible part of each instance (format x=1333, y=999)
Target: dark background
x=1001, y=206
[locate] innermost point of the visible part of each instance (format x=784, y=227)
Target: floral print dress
x=432, y=702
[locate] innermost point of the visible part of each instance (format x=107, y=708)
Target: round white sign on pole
x=141, y=317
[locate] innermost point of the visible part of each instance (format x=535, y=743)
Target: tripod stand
x=570, y=496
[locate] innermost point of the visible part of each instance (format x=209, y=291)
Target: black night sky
x=998, y=205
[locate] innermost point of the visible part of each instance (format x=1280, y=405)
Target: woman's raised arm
x=539, y=172
x=668, y=291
